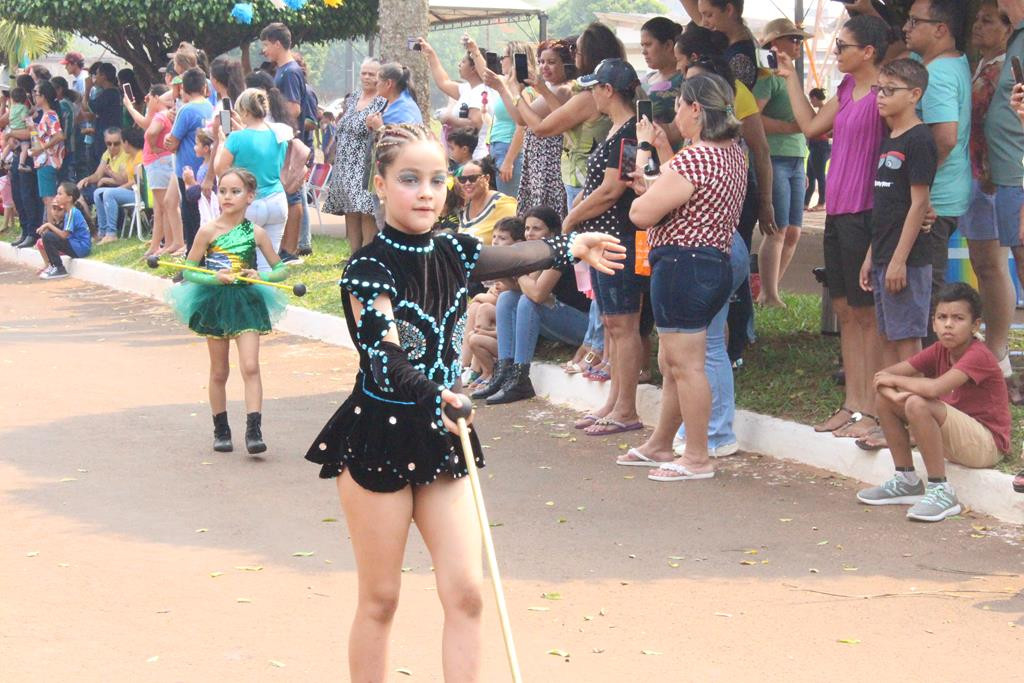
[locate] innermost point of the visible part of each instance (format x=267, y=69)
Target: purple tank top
x=856, y=135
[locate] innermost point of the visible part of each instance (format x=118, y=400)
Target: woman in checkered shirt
x=691, y=211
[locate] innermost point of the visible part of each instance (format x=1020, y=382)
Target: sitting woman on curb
x=547, y=303
x=692, y=211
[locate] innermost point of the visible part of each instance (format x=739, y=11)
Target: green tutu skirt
x=226, y=311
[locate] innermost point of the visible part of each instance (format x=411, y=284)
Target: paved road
x=123, y=536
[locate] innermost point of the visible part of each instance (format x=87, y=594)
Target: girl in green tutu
x=220, y=308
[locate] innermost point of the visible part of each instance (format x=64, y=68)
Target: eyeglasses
x=913, y=21
x=840, y=46
x=888, y=90
x=469, y=178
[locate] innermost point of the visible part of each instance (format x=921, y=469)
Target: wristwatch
x=647, y=147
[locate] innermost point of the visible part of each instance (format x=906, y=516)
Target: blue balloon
x=242, y=12
x=295, y=4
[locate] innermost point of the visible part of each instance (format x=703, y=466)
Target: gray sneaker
x=938, y=503
x=896, y=491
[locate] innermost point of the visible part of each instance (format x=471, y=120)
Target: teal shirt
x=1003, y=133
x=948, y=99
x=503, y=127
x=772, y=90
x=259, y=152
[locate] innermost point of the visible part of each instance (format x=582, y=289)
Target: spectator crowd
x=681, y=163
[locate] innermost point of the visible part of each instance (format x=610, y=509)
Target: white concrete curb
x=987, y=491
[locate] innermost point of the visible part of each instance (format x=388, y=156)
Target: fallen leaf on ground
x=651, y=652
x=581, y=508
x=558, y=653
x=250, y=568
x=328, y=519
x=722, y=614
x=785, y=519
x=496, y=524
x=201, y=531
x=68, y=479
x=822, y=542
x=674, y=565
x=813, y=570
x=539, y=609
x=274, y=662
x=747, y=562
x=32, y=553
x=750, y=552
x=404, y=672
x=848, y=641
x=550, y=504
x=303, y=553
x=152, y=659
x=245, y=600
x=205, y=463
x=551, y=596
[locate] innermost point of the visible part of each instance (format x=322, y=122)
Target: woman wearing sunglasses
x=484, y=206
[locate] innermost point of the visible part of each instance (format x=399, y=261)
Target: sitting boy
x=71, y=237
x=461, y=143
x=958, y=410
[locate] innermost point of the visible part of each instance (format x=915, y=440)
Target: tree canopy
x=143, y=31
x=570, y=17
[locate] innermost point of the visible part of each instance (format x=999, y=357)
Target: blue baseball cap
x=614, y=71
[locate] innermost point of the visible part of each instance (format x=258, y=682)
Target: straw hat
x=779, y=28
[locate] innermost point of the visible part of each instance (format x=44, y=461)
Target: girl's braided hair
x=393, y=137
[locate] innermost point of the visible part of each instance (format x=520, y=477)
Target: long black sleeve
x=522, y=258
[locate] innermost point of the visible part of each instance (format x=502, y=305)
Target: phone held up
x=644, y=110
x=225, y=116
x=1018, y=71
x=522, y=66
x=627, y=159
x=127, y=89
x=413, y=44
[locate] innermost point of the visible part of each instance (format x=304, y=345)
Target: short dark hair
x=134, y=137
x=952, y=13
x=60, y=83
x=697, y=40
x=817, y=93
x=662, y=29
x=19, y=95
x=277, y=33
x=109, y=71
x=464, y=137
x=546, y=215
x=193, y=81
x=113, y=130
x=514, y=226
x=872, y=31
x=960, y=291
x=909, y=72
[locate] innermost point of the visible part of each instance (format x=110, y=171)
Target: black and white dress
x=347, y=192
x=389, y=432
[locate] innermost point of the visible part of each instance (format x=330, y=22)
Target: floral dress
x=348, y=192
x=541, y=179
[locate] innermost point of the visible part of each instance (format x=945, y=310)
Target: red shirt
x=709, y=218
x=983, y=396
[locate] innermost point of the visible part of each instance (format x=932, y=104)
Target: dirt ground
x=129, y=551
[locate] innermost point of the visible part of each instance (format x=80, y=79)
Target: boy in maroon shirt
x=953, y=397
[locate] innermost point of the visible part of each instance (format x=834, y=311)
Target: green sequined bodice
x=235, y=250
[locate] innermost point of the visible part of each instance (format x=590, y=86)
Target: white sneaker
x=46, y=271
x=54, y=273
x=726, y=449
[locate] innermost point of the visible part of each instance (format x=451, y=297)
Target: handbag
x=296, y=163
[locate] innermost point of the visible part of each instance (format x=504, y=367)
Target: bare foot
x=171, y=248
x=770, y=303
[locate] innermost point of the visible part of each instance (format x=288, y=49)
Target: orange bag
x=643, y=248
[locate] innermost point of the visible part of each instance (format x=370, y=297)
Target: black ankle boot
x=221, y=434
x=253, y=435
x=517, y=386
x=499, y=374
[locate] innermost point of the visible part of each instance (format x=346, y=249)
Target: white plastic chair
x=316, y=185
x=138, y=220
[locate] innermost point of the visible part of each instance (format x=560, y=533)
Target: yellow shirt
x=744, y=103
x=123, y=163
x=498, y=206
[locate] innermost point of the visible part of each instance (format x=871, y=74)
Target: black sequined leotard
x=389, y=432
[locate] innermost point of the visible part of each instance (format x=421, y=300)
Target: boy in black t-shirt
x=897, y=267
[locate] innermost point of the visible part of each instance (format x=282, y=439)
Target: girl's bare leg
x=249, y=364
x=158, y=222
x=368, y=226
x=378, y=524
x=445, y=515
x=172, y=223
x=219, y=371
x=354, y=231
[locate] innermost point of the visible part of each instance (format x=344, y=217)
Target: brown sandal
x=842, y=409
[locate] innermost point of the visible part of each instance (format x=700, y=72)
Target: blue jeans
x=789, y=181
x=716, y=359
x=107, y=200
x=499, y=150
x=570, y=195
x=520, y=321
x=594, y=338
x=1008, y=205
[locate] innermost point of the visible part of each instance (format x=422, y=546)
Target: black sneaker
x=28, y=242
x=305, y=251
x=53, y=273
x=178, y=277
x=289, y=258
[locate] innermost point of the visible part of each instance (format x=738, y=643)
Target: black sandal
x=853, y=414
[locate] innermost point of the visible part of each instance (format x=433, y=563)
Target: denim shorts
x=903, y=315
x=789, y=182
x=621, y=293
x=689, y=285
x=46, y=181
x=294, y=198
x=1008, y=202
x=160, y=172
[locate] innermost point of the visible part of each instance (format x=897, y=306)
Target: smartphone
x=767, y=59
x=522, y=66
x=627, y=159
x=645, y=109
x=128, y=91
x=1018, y=72
x=413, y=44
x=225, y=115
x=493, y=62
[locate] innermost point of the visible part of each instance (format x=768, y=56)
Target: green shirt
x=772, y=90
x=1002, y=126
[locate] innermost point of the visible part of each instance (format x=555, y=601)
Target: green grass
x=787, y=373
x=319, y=272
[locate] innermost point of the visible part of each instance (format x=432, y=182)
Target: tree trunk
x=400, y=20
x=246, y=58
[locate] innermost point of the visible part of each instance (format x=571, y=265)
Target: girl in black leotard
x=404, y=296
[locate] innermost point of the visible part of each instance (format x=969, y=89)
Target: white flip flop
x=683, y=473
x=641, y=460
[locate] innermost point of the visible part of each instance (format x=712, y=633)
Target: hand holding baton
x=459, y=414
x=298, y=289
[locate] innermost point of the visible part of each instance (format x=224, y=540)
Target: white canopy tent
x=446, y=14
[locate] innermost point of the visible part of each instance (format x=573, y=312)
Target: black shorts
x=846, y=243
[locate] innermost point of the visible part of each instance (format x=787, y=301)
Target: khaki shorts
x=968, y=442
